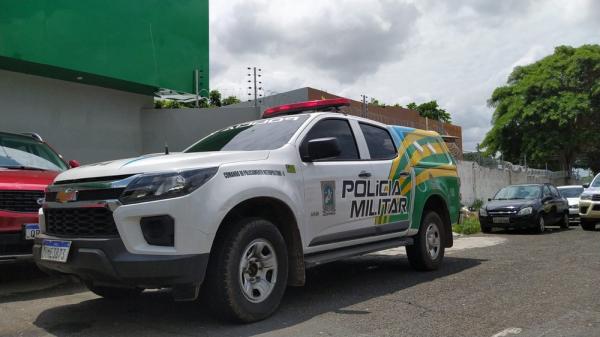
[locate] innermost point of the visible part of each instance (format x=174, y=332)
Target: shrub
x=469, y=226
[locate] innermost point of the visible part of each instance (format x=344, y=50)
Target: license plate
x=53, y=250
x=31, y=231
x=502, y=220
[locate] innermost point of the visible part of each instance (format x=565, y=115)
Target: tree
x=549, y=111
x=230, y=100
x=214, y=98
x=431, y=110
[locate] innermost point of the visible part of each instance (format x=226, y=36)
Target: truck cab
x=240, y=214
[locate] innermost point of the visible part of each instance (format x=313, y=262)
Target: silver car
x=572, y=193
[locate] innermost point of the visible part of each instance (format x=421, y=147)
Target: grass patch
x=469, y=226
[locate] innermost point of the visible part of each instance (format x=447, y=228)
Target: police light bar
x=322, y=104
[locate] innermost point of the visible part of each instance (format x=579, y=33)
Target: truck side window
x=380, y=143
x=339, y=129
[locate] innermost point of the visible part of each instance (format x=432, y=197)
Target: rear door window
x=380, y=143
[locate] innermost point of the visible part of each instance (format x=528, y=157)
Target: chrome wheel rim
x=258, y=270
x=542, y=224
x=432, y=240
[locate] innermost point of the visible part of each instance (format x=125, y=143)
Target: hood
x=573, y=201
x=592, y=190
x=508, y=204
x=26, y=179
x=160, y=162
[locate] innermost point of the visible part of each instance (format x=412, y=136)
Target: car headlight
x=482, y=212
x=156, y=186
x=526, y=211
x=586, y=197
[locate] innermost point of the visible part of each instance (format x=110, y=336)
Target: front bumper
x=589, y=209
x=515, y=221
x=107, y=261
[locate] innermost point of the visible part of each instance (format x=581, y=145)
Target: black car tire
x=114, y=293
x=224, y=282
x=540, y=225
x=564, y=224
x=418, y=253
x=587, y=225
x=486, y=229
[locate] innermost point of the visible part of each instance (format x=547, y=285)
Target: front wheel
x=427, y=251
x=587, y=225
x=248, y=271
x=541, y=224
x=486, y=229
x=565, y=222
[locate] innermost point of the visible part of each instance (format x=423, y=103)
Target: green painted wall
x=133, y=45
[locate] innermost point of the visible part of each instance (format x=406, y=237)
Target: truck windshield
x=518, y=192
x=596, y=182
x=17, y=152
x=263, y=134
x=571, y=192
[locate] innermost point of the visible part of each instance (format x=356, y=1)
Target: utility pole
x=197, y=84
x=365, y=106
x=255, y=85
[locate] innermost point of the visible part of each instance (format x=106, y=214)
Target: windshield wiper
x=22, y=167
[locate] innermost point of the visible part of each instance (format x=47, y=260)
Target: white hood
x=160, y=162
x=573, y=201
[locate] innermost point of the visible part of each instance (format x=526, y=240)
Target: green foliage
x=214, y=98
x=476, y=205
x=431, y=110
x=469, y=226
x=230, y=100
x=549, y=110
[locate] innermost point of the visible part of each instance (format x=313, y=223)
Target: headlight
x=157, y=186
x=586, y=197
x=482, y=212
x=526, y=211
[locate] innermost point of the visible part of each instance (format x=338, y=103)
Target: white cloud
x=397, y=51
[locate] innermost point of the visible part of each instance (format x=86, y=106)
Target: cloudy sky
x=397, y=51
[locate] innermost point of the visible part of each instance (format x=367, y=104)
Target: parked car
x=27, y=166
x=572, y=193
x=532, y=206
x=589, y=205
x=246, y=209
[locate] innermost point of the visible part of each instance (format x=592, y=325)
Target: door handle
x=364, y=174
x=404, y=174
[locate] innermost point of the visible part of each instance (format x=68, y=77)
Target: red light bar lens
x=305, y=106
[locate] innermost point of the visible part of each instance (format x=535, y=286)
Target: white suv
x=589, y=205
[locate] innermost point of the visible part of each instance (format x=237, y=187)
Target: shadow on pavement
x=330, y=288
x=23, y=281
x=549, y=230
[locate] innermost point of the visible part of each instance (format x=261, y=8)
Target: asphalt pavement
x=501, y=284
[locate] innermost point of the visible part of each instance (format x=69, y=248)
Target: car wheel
x=587, y=225
x=427, y=250
x=248, y=270
x=541, y=224
x=565, y=222
x=114, y=293
x=486, y=229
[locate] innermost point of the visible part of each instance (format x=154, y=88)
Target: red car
x=27, y=166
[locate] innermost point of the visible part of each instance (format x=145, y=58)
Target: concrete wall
x=82, y=122
x=479, y=182
x=179, y=128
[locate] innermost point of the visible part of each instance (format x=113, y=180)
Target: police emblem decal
x=328, y=192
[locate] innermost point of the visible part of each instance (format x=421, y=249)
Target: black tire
x=418, y=253
x=486, y=229
x=224, y=277
x=587, y=225
x=564, y=224
x=540, y=225
x=114, y=293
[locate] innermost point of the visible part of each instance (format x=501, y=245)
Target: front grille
x=80, y=222
x=583, y=209
x=596, y=197
x=596, y=208
x=20, y=201
x=90, y=195
x=502, y=212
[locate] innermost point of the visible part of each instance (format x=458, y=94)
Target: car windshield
x=518, y=192
x=21, y=152
x=263, y=134
x=571, y=192
x=596, y=182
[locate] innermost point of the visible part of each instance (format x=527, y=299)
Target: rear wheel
x=565, y=221
x=587, y=225
x=427, y=251
x=248, y=271
x=114, y=293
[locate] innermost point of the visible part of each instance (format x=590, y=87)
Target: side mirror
x=546, y=199
x=586, y=185
x=489, y=199
x=73, y=163
x=322, y=148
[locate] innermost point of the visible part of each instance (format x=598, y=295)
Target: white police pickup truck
x=240, y=214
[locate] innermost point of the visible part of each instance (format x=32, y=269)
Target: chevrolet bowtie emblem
x=67, y=195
